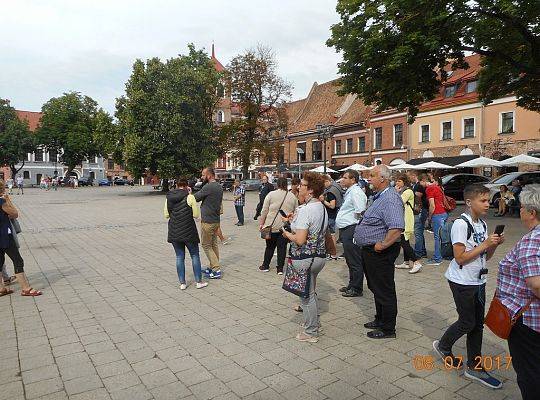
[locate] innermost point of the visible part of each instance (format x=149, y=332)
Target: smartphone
x=499, y=229
x=285, y=215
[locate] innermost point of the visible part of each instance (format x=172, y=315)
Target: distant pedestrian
x=332, y=198
x=421, y=205
x=436, y=218
x=266, y=187
x=9, y=184
x=211, y=196
x=379, y=233
x=239, y=197
x=20, y=184
x=276, y=200
x=181, y=209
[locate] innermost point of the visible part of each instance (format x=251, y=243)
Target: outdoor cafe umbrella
x=433, y=165
x=479, y=162
x=356, y=167
x=522, y=159
x=321, y=170
x=403, y=166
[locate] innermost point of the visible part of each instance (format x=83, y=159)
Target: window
x=446, y=128
x=507, y=122
x=26, y=174
x=301, y=156
x=378, y=138
x=449, y=91
x=468, y=127
x=349, y=146
x=220, y=117
x=316, y=150
x=362, y=144
x=424, y=133
x=398, y=135
x=338, y=147
x=110, y=163
x=38, y=155
x=53, y=155
x=471, y=86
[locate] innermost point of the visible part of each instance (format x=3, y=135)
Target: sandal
x=10, y=280
x=31, y=292
x=298, y=309
x=5, y=291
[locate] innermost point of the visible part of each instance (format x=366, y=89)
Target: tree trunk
x=165, y=186
x=14, y=170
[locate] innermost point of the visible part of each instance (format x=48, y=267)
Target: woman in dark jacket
x=181, y=209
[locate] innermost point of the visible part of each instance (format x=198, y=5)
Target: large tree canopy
x=165, y=117
x=15, y=138
x=393, y=48
x=259, y=92
x=68, y=126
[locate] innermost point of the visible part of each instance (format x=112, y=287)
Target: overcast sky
x=52, y=46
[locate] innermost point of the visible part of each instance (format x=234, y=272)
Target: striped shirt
x=522, y=262
x=240, y=191
x=386, y=212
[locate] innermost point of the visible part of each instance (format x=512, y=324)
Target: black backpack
x=445, y=236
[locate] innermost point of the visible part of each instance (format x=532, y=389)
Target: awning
x=452, y=161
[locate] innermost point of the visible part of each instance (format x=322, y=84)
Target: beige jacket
x=271, y=207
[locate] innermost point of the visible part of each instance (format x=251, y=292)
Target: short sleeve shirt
x=332, y=212
x=435, y=192
x=420, y=189
x=310, y=216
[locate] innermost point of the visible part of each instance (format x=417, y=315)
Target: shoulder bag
x=297, y=280
x=16, y=226
x=498, y=318
x=266, y=232
x=449, y=203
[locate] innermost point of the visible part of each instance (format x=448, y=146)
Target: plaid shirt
x=240, y=191
x=521, y=262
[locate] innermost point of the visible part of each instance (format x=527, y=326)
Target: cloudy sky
x=52, y=46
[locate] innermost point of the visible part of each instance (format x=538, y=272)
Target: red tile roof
x=33, y=118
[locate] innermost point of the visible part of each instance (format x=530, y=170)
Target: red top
x=436, y=193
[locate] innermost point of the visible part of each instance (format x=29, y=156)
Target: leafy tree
x=260, y=93
x=165, y=117
x=393, y=48
x=68, y=126
x=16, y=140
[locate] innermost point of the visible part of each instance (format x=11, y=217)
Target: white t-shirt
x=468, y=274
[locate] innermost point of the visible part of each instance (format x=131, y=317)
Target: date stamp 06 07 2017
x=488, y=363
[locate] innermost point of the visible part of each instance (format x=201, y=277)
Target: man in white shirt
x=350, y=212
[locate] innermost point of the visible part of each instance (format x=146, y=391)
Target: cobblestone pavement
x=112, y=323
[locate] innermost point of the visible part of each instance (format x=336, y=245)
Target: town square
x=326, y=199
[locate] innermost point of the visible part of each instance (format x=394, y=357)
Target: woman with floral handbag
x=307, y=252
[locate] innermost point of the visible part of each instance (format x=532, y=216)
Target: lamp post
x=300, y=152
x=323, y=133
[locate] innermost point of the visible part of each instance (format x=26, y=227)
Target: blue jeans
x=240, y=213
x=179, y=249
x=419, y=226
x=437, y=221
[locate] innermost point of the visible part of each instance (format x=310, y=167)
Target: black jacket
x=182, y=226
x=263, y=192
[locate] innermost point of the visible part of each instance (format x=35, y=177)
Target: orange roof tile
x=32, y=117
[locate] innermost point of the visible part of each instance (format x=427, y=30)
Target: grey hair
x=385, y=172
x=530, y=198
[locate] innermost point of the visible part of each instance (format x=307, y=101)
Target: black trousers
x=277, y=240
x=379, y=269
x=470, y=304
x=13, y=252
x=408, y=252
x=353, y=257
x=524, y=345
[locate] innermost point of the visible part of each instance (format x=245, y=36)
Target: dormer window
x=450, y=91
x=471, y=86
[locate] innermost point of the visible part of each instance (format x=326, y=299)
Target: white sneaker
x=183, y=286
x=416, y=268
x=201, y=285
x=402, y=266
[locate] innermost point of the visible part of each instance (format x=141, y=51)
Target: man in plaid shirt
x=518, y=284
x=239, y=193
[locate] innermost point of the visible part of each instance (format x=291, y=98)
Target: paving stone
x=137, y=392
x=39, y=374
x=97, y=394
x=246, y=385
x=120, y=382
x=158, y=378
x=263, y=369
x=229, y=373
x=340, y=390
x=416, y=385
x=145, y=367
x=172, y=391
x=115, y=368
x=317, y=378
x=209, y=390
x=194, y=375
x=282, y=381
x=304, y=392
x=42, y=388
x=83, y=384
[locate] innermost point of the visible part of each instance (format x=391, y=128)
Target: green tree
x=68, y=126
x=16, y=140
x=165, y=116
x=393, y=48
x=260, y=93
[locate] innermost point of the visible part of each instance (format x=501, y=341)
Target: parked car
x=227, y=183
x=86, y=181
x=104, y=182
x=525, y=178
x=251, y=184
x=455, y=183
x=123, y=182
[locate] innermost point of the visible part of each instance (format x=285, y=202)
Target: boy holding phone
x=466, y=275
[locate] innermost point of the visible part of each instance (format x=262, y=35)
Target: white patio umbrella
x=479, y=162
x=321, y=170
x=356, y=167
x=403, y=166
x=433, y=165
x=522, y=159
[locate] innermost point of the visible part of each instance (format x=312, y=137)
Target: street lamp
x=300, y=152
x=323, y=133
